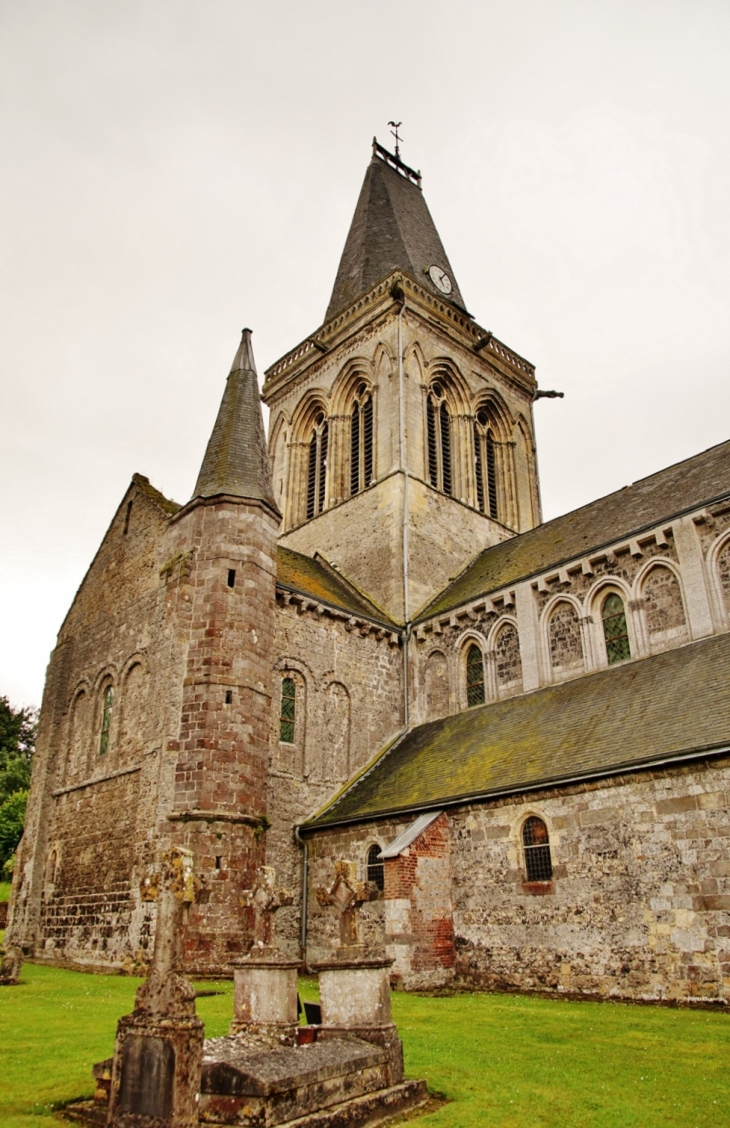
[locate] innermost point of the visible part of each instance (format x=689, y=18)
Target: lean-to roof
x=618, y=516
x=318, y=579
x=653, y=709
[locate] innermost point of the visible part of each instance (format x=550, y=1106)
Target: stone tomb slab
x=335, y=1079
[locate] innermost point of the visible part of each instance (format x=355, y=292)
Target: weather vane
x=398, y=139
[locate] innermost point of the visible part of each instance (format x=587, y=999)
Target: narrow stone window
x=127, y=515
x=376, y=867
x=485, y=465
x=317, y=468
x=536, y=844
x=231, y=577
x=361, y=441
x=229, y=697
x=287, y=715
x=106, y=719
x=438, y=424
x=218, y=859
x=474, y=676
x=615, y=630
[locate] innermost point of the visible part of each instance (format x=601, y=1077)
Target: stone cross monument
x=159, y=1048
x=347, y=894
x=265, y=980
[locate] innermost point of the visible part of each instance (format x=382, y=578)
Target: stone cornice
x=442, y=314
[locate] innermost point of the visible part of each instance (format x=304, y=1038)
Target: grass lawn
x=505, y=1060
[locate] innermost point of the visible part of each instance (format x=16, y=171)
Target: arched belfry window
x=615, y=630
x=439, y=440
x=361, y=441
x=106, y=719
x=376, y=867
x=317, y=469
x=536, y=844
x=485, y=465
x=474, y=676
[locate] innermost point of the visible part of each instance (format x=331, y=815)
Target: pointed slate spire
x=236, y=460
x=392, y=229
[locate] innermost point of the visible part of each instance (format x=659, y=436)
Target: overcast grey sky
x=174, y=170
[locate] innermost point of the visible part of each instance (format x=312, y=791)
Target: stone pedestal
x=354, y=989
x=11, y=962
x=265, y=996
x=156, y=1072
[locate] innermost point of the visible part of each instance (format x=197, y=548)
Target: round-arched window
x=376, y=867
x=536, y=844
x=615, y=631
x=474, y=676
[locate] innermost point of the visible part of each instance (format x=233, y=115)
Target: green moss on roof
x=686, y=485
x=317, y=578
x=654, y=708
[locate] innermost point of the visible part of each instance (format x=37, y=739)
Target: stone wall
x=349, y=705
x=413, y=916
x=93, y=795
x=639, y=902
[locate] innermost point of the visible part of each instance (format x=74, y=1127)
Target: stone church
x=359, y=640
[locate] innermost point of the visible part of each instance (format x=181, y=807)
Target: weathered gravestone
x=10, y=965
x=157, y=1060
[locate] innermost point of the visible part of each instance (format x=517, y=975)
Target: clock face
x=440, y=279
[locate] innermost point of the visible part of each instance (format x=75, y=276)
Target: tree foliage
x=17, y=745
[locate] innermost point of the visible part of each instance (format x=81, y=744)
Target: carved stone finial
x=347, y=894
x=265, y=899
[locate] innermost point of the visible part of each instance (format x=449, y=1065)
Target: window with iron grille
x=536, y=844
x=376, y=867
x=288, y=710
x=485, y=465
x=474, y=676
x=317, y=467
x=438, y=427
x=106, y=719
x=361, y=441
x=615, y=630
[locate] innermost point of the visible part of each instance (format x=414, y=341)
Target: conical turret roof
x=236, y=460
x=392, y=229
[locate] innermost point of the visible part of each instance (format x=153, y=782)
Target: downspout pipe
x=399, y=296
x=305, y=891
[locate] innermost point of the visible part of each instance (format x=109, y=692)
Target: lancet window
x=485, y=465
x=106, y=719
x=439, y=440
x=361, y=441
x=615, y=630
x=288, y=710
x=317, y=468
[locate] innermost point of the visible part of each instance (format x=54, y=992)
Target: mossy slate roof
x=684, y=486
x=318, y=579
x=657, y=708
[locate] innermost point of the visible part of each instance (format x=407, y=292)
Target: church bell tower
x=401, y=432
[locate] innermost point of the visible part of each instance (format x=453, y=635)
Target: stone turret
x=221, y=606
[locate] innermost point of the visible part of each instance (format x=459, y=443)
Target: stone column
x=528, y=630
x=159, y=1048
x=692, y=565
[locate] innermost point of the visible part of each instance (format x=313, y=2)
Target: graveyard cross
x=347, y=894
x=173, y=887
x=265, y=899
